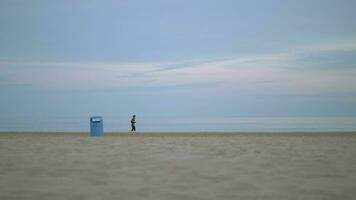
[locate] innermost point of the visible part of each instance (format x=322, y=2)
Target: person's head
x=133, y=116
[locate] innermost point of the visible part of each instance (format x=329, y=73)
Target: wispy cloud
x=271, y=73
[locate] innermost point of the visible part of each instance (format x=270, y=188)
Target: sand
x=178, y=166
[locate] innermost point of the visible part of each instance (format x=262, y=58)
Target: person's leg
x=134, y=128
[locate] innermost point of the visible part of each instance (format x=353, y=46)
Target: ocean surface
x=182, y=124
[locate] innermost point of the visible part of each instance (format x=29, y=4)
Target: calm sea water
x=181, y=124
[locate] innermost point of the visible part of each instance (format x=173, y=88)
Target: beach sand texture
x=188, y=166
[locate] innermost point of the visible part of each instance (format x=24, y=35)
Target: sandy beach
x=178, y=166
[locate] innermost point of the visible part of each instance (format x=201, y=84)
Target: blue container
x=96, y=126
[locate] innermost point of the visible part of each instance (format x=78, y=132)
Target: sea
x=181, y=124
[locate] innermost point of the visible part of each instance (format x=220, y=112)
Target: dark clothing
x=133, y=124
x=133, y=127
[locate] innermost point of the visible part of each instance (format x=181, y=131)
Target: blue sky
x=178, y=58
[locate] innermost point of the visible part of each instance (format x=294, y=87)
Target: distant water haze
x=248, y=124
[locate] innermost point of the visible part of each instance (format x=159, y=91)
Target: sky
x=177, y=58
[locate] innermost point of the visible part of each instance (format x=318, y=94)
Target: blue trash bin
x=96, y=126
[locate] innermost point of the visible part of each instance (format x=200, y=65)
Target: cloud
x=290, y=72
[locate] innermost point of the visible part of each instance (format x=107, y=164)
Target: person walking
x=133, y=123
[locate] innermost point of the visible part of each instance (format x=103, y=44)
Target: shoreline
x=185, y=134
